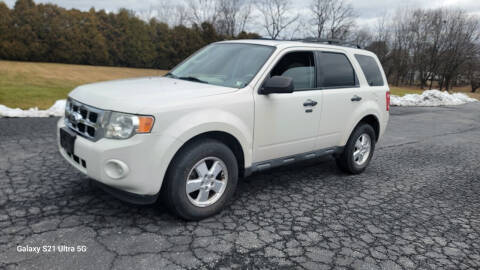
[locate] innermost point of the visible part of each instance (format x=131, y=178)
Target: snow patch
x=57, y=109
x=431, y=98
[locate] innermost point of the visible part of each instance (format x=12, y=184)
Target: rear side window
x=370, y=69
x=336, y=71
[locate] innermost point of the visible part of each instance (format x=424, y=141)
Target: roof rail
x=272, y=39
x=332, y=42
x=319, y=40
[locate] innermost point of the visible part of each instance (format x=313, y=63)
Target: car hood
x=132, y=95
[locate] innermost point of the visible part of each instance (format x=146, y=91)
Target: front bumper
x=142, y=154
x=125, y=195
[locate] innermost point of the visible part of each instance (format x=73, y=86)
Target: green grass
x=26, y=85
x=399, y=91
x=24, y=91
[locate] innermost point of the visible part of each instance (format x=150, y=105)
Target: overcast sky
x=367, y=10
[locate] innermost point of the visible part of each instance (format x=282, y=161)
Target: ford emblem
x=75, y=117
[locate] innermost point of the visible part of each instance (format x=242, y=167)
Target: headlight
x=124, y=126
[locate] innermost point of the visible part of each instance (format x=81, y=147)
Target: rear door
x=341, y=96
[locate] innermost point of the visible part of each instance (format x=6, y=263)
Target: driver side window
x=300, y=66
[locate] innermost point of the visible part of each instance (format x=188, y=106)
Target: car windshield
x=224, y=64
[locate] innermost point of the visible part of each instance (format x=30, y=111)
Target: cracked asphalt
x=417, y=206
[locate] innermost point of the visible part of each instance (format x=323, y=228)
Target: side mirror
x=277, y=85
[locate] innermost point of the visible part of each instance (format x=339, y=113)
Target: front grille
x=85, y=120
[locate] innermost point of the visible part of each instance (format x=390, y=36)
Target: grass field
x=401, y=91
x=26, y=84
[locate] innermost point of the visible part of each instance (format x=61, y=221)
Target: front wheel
x=358, y=151
x=201, y=179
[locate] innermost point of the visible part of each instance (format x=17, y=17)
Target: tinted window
x=370, y=69
x=300, y=66
x=336, y=70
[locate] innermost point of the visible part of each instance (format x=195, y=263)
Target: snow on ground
x=56, y=110
x=431, y=98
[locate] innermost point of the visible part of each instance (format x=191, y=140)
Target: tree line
x=429, y=48
x=417, y=47
x=48, y=33
x=422, y=47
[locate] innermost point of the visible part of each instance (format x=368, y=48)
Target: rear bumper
x=383, y=125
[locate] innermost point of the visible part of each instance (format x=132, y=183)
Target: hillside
x=26, y=84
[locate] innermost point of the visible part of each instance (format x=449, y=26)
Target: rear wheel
x=202, y=178
x=358, y=151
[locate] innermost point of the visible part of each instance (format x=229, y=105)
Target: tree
x=473, y=70
x=275, y=16
x=332, y=19
x=6, y=33
x=247, y=35
x=361, y=37
x=461, y=36
x=341, y=19
x=200, y=11
x=233, y=16
x=320, y=10
x=168, y=12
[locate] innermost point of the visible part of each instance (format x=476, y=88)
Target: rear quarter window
x=370, y=69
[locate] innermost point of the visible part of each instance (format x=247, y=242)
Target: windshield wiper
x=191, y=78
x=187, y=78
x=170, y=75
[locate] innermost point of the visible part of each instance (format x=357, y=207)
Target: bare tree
x=275, y=16
x=170, y=13
x=180, y=15
x=233, y=16
x=381, y=43
x=341, y=19
x=361, y=36
x=382, y=29
x=200, y=11
x=332, y=19
x=473, y=69
x=320, y=10
x=400, y=53
x=424, y=46
x=463, y=33
x=299, y=30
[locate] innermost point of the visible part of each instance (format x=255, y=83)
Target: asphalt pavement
x=417, y=206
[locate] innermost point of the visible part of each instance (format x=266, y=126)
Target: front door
x=288, y=124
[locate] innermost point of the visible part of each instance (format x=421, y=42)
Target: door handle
x=310, y=103
x=356, y=98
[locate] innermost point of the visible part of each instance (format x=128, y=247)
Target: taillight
x=387, y=101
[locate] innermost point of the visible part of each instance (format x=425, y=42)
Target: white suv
x=231, y=109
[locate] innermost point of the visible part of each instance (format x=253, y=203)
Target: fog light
x=116, y=169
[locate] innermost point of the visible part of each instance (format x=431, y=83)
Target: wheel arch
x=224, y=137
x=373, y=121
x=370, y=119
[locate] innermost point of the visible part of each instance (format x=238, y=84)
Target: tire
x=349, y=163
x=188, y=166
